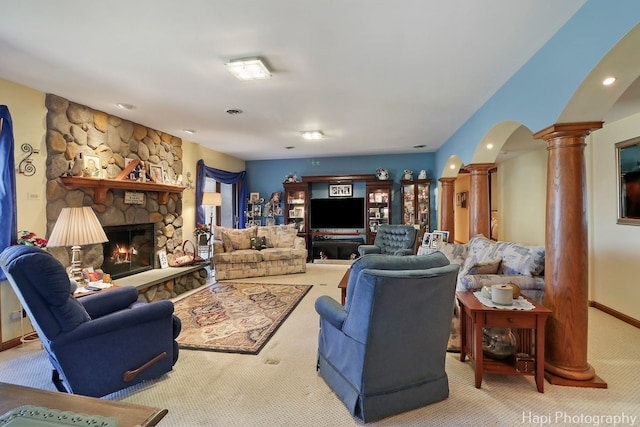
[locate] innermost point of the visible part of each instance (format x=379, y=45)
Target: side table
x=343, y=285
x=529, y=325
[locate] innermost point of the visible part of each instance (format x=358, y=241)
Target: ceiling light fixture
x=123, y=106
x=248, y=69
x=312, y=135
x=189, y=131
x=608, y=81
x=420, y=146
x=489, y=146
x=234, y=111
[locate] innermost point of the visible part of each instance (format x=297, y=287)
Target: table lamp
x=211, y=199
x=76, y=227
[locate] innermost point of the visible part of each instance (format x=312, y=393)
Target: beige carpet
x=235, y=317
x=280, y=387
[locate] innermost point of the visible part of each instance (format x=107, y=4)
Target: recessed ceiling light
x=234, y=111
x=608, y=81
x=419, y=145
x=123, y=106
x=189, y=131
x=248, y=69
x=452, y=166
x=311, y=135
x=489, y=146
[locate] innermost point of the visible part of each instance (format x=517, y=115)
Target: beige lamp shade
x=211, y=199
x=77, y=227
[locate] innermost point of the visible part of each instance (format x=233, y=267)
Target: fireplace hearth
x=129, y=250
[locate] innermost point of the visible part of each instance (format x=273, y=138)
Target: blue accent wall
x=266, y=176
x=538, y=93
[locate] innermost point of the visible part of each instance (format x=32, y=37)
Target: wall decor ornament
x=26, y=166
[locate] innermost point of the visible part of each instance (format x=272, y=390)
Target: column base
x=573, y=378
x=595, y=382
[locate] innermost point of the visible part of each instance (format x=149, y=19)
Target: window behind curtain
x=229, y=208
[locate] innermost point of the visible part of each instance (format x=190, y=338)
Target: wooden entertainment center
x=297, y=197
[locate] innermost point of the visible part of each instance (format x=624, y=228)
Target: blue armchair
x=97, y=344
x=384, y=352
x=392, y=240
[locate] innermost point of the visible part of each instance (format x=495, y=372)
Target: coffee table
x=128, y=415
x=529, y=326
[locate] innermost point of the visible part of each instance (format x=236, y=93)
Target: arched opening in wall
x=516, y=184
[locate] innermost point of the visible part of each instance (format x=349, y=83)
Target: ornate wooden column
x=447, y=219
x=566, y=273
x=479, y=216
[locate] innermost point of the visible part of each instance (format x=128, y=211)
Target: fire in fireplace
x=129, y=250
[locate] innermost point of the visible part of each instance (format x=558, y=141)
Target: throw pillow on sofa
x=258, y=243
x=240, y=238
x=226, y=242
x=486, y=267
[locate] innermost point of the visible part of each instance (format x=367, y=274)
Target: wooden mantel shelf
x=101, y=186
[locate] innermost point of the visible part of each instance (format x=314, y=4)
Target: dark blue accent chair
x=384, y=352
x=97, y=344
x=392, y=240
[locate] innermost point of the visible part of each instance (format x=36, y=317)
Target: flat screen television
x=337, y=213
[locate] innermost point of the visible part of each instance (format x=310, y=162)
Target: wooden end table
x=343, y=285
x=128, y=414
x=529, y=326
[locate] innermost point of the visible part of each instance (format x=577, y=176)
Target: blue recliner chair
x=100, y=343
x=384, y=352
x=392, y=240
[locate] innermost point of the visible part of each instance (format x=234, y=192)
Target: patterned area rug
x=235, y=317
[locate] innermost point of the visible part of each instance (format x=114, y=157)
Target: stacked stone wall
x=74, y=130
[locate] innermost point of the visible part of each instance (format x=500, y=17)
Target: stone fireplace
x=74, y=130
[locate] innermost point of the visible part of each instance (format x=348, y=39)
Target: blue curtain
x=239, y=178
x=8, y=225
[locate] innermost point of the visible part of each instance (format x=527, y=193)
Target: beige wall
x=28, y=113
x=614, y=250
x=522, y=200
x=28, y=116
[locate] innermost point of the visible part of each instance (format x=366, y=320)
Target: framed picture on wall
x=254, y=197
x=341, y=190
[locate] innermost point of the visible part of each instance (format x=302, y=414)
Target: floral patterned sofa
x=487, y=262
x=258, y=251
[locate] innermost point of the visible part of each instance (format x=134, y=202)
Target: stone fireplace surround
x=73, y=130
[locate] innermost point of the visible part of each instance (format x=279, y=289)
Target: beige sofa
x=258, y=251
